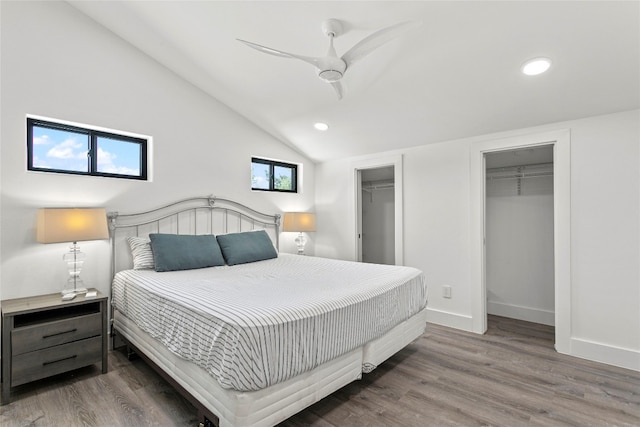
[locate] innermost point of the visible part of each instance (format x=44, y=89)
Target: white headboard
x=196, y=215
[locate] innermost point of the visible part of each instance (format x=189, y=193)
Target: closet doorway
x=561, y=141
x=377, y=212
x=519, y=227
x=382, y=202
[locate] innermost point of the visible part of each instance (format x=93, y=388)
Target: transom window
x=61, y=148
x=272, y=175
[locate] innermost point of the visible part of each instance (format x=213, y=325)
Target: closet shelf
x=377, y=185
x=521, y=172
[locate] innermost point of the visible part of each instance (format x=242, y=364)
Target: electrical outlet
x=446, y=291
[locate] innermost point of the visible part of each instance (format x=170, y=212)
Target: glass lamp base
x=300, y=242
x=74, y=259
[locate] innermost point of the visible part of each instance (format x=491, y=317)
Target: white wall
x=519, y=249
x=605, y=225
x=605, y=205
x=58, y=63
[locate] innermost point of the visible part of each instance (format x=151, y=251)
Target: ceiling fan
x=332, y=68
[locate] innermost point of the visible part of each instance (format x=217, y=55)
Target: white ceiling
x=456, y=75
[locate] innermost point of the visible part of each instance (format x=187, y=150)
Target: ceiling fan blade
x=375, y=40
x=311, y=60
x=337, y=86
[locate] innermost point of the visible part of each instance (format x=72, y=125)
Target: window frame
x=92, y=157
x=272, y=165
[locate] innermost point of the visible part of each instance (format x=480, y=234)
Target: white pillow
x=141, y=252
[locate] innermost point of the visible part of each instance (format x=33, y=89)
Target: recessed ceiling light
x=536, y=66
x=321, y=126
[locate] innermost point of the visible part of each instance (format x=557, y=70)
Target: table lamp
x=57, y=225
x=299, y=222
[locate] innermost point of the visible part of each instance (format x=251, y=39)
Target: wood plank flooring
x=509, y=377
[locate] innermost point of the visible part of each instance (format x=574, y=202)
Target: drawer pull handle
x=59, y=360
x=60, y=333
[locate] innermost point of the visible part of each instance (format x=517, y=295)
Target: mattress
x=254, y=325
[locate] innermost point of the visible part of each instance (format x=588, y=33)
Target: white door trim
x=560, y=140
x=372, y=163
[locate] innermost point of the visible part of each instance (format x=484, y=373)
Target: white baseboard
x=529, y=314
x=453, y=320
x=604, y=353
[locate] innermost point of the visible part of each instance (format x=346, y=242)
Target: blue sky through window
x=260, y=176
x=67, y=150
x=59, y=149
x=119, y=157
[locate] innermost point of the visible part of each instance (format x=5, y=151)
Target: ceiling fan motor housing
x=330, y=76
x=332, y=69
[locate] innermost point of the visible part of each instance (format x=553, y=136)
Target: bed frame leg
x=131, y=354
x=206, y=423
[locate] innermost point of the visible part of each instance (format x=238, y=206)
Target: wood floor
x=510, y=376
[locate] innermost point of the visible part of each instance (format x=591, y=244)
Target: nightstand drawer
x=36, y=337
x=55, y=360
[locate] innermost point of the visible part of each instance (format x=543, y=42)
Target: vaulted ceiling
x=456, y=75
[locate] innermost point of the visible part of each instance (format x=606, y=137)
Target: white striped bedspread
x=254, y=325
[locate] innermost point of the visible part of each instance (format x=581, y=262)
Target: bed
x=254, y=336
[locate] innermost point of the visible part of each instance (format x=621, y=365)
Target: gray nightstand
x=44, y=336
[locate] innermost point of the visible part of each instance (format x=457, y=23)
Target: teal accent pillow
x=250, y=246
x=173, y=252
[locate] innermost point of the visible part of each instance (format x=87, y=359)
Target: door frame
x=560, y=139
x=374, y=163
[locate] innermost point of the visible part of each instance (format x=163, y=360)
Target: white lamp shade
x=299, y=221
x=56, y=225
